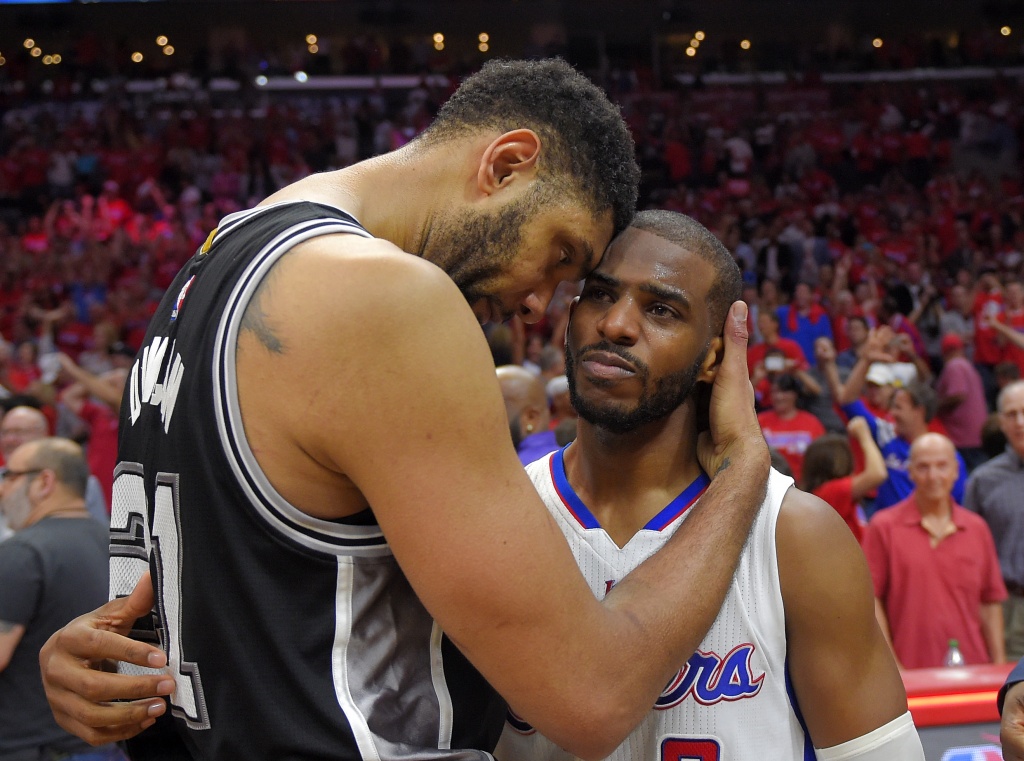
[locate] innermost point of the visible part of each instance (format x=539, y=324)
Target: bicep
x=845, y=678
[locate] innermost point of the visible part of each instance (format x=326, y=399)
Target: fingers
x=99, y=725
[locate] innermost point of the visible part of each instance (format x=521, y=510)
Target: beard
x=659, y=399
x=16, y=508
x=475, y=247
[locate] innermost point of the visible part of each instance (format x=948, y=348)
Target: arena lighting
x=438, y=37
x=2, y=60
x=56, y=58
x=1005, y=31
x=261, y=81
x=311, y=39
x=745, y=44
x=47, y=60
x=314, y=48
x=691, y=52
x=137, y=57
x=484, y=37
x=699, y=36
x=169, y=50
x=438, y=46
x=694, y=43
x=484, y=47
x=161, y=40
x=36, y=52
x=29, y=43
x=877, y=42
x=301, y=76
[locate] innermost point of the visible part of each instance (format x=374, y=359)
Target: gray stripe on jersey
x=270, y=505
x=387, y=666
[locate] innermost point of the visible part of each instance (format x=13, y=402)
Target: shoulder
x=19, y=554
x=997, y=466
x=810, y=420
x=805, y=521
x=970, y=520
x=343, y=282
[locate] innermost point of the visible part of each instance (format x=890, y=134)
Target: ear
x=713, y=360
x=568, y=323
x=509, y=156
x=45, y=482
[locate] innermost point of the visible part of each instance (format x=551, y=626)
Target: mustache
x=612, y=349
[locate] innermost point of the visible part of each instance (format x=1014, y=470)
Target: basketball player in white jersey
x=794, y=667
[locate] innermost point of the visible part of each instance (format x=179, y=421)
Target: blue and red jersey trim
x=586, y=519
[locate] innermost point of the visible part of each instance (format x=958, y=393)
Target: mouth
x=606, y=365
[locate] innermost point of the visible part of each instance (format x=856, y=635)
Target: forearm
x=854, y=383
x=992, y=630
x=811, y=386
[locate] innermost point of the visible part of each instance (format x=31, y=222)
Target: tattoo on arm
x=255, y=320
x=725, y=464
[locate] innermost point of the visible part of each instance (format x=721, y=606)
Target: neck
x=70, y=507
x=627, y=479
x=938, y=507
x=423, y=181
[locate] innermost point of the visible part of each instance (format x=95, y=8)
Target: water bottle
x=953, y=656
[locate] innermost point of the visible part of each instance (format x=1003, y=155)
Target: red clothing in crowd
x=987, y=308
x=839, y=493
x=933, y=594
x=791, y=437
x=1012, y=353
x=102, y=448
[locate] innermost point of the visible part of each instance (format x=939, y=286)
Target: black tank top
x=289, y=637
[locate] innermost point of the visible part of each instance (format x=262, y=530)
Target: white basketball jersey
x=731, y=701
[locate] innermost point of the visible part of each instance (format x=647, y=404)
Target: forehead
x=932, y=452
x=643, y=256
x=1013, y=399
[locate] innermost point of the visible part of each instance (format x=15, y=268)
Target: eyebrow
x=663, y=292
x=667, y=293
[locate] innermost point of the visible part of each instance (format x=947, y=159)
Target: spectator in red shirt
x=935, y=569
x=786, y=428
x=828, y=472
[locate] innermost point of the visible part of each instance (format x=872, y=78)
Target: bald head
x=21, y=425
x=526, y=402
x=933, y=468
x=932, y=443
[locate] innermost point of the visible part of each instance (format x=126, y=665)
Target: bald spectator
x=54, y=568
x=24, y=424
x=934, y=567
x=529, y=419
x=913, y=408
x=994, y=492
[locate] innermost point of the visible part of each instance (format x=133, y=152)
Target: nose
x=618, y=324
x=533, y=307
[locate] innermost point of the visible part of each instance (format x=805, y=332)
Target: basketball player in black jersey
x=315, y=465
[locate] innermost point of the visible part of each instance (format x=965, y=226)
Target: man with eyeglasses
x=23, y=424
x=52, y=569
x=993, y=492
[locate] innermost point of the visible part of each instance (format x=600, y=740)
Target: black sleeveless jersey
x=288, y=637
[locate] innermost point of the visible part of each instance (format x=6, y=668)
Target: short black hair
x=690, y=234
x=586, y=142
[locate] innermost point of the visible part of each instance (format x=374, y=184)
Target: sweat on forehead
x=689, y=234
